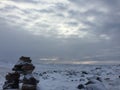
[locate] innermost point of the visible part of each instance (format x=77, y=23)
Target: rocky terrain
x=73, y=77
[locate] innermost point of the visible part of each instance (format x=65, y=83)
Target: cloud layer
x=67, y=29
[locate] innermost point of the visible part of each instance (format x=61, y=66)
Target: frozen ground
x=68, y=77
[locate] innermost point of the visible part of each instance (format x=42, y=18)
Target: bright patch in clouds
x=105, y=36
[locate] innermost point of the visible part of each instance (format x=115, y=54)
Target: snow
x=28, y=76
x=68, y=77
x=21, y=62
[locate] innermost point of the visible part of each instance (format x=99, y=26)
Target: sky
x=60, y=31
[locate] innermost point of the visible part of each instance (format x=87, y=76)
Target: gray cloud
x=72, y=30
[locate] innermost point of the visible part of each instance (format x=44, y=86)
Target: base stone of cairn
x=29, y=82
x=22, y=67
x=12, y=81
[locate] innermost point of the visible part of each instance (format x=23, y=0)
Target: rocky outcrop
x=93, y=84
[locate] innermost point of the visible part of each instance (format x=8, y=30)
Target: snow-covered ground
x=68, y=77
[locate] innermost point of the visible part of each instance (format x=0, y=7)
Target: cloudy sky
x=63, y=31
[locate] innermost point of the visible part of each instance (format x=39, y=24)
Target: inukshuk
x=22, y=67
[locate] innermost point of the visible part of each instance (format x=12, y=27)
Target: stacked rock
x=23, y=61
x=12, y=81
x=22, y=67
x=25, y=67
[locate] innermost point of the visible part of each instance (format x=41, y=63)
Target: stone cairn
x=22, y=67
